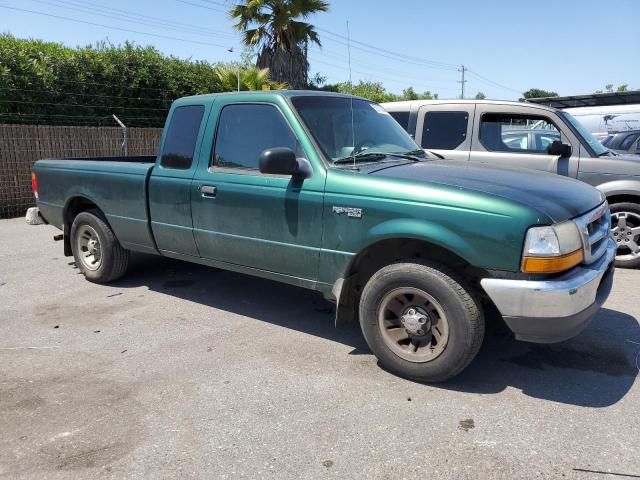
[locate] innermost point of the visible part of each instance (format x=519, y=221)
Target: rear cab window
x=182, y=135
x=444, y=130
x=402, y=118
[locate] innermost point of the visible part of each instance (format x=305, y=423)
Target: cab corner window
x=517, y=133
x=444, y=130
x=181, y=138
x=245, y=131
x=402, y=118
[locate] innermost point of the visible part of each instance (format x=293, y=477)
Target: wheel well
x=623, y=198
x=385, y=252
x=75, y=206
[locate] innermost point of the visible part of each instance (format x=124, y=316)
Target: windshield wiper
x=415, y=155
x=361, y=157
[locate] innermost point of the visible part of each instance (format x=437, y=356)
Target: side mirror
x=563, y=150
x=283, y=161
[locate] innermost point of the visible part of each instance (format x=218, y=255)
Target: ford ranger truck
x=327, y=192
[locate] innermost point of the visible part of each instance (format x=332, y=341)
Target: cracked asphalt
x=181, y=371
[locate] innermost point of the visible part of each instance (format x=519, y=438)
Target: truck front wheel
x=420, y=321
x=96, y=250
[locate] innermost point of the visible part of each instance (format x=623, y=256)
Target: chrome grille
x=595, y=228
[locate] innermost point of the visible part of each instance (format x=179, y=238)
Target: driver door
x=244, y=217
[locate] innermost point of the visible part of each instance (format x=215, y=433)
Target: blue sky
x=569, y=46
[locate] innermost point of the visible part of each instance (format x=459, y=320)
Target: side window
x=503, y=132
x=444, y=130
x=182, y=134
x=402, y=118
x=626, y=143
x=244, y=131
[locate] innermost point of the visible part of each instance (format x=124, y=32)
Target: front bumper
x=548, y=311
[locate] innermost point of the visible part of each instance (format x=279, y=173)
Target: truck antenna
x=353, y=130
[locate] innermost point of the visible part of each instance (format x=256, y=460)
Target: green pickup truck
x=328, y=192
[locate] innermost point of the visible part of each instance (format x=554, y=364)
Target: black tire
x=114, y=258
x=623, y=254
x=458, y=302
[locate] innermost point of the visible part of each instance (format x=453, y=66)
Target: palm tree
x=250, y=78
x=272, y=26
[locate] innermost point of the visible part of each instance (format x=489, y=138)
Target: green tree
x=623, y=88
x=480, y=96
x=609, y=87
x=537, y=93
x=273, y=26
x=251, y=78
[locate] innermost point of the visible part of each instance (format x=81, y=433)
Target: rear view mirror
x=283, y=161
x=560, y=149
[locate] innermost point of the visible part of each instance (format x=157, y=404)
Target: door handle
x=208, y=190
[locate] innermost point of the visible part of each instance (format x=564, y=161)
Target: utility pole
x=463, y=81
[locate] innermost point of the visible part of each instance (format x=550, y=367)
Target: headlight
x=552, y=249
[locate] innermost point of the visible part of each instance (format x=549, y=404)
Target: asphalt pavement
x=182, y=371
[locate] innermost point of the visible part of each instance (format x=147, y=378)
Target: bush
x=48, y=83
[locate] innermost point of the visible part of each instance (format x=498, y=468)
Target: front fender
x=418, y=229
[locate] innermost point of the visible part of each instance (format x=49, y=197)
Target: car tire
x=96, y=250
x=625, y=239
x=428, y=303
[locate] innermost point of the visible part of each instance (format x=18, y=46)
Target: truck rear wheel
x=625, y=230
x=96, y=250
x=420, y=321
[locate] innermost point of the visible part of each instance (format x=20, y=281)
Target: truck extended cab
x=328, y=192
x=533, y=136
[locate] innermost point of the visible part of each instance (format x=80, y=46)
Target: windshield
x=330, y=122
x=585, y=134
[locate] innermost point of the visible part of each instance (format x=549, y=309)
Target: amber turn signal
x=552, y=264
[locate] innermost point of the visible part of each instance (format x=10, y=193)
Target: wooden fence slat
x=22, y=145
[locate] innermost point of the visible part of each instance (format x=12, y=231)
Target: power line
x=114, y=28
x=377, y=50
x=77, y=105
x=422, y=80
x=74, y=94
x=131, y=17
x=201, y=6
x=491, y=82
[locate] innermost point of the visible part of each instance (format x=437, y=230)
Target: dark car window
x=444, y=130
x=245, y=131
x=626, y=143
x=182, y=134
x=402, y=118
x=517, y=133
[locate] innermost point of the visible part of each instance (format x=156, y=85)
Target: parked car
x=627, y=142
x=327, y=192
x=532, y=136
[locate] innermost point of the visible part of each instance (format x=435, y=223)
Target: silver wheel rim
x=625, y=229
x=413, y=324
x=89, y=248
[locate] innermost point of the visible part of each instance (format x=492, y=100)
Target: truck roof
x=263, y=95
x=410, y=103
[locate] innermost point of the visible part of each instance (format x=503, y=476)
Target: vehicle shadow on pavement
x=595, y=369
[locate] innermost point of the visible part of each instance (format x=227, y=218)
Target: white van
x=607, y=119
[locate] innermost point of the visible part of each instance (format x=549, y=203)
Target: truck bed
x=116, y=185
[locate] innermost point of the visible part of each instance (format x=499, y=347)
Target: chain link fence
x=22, y=145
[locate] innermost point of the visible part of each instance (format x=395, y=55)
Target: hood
x=559, y=198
